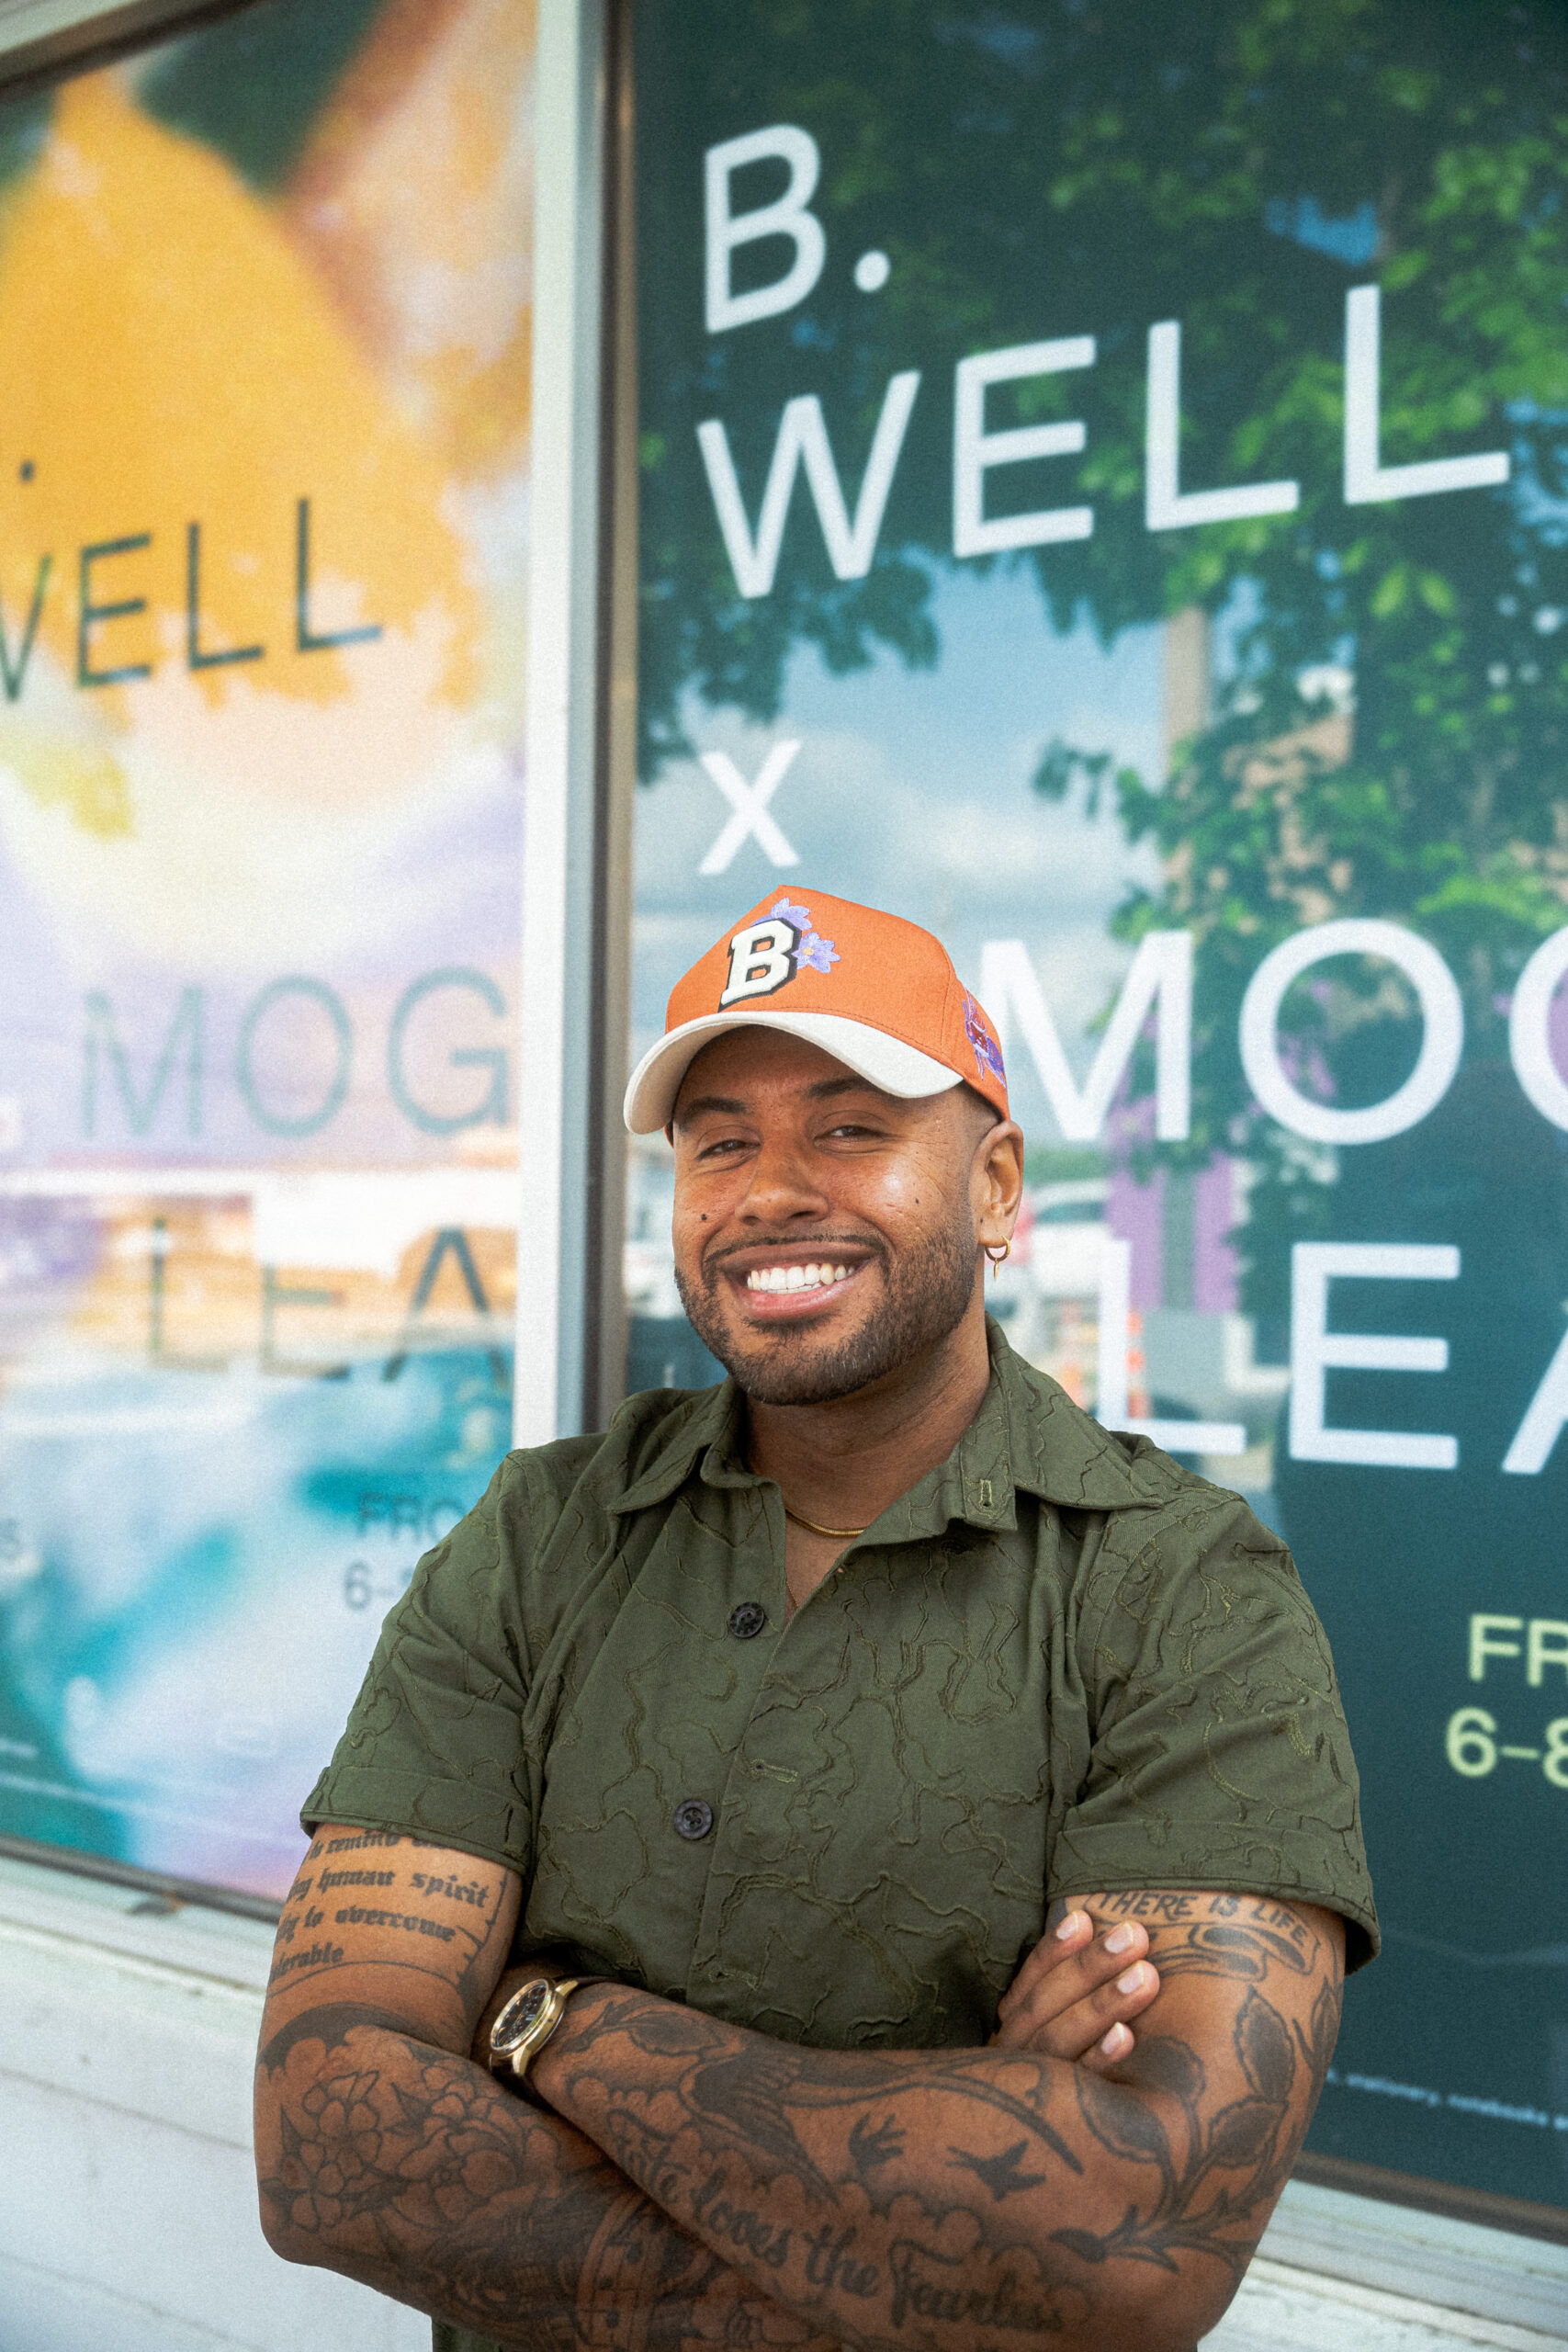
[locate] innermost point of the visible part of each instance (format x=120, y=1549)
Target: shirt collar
x=704, y=1426
x=1058, y=1451
x=1028, y=1433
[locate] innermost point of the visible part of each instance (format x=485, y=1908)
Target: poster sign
x=264, y=408
x=1105, y=496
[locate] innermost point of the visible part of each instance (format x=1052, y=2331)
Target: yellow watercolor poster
x=264, y=308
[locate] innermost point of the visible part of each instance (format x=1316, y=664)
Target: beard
x=928, y=1294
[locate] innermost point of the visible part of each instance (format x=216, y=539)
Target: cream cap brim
x=872, y=1054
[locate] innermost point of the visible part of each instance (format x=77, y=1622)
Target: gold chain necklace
x=801, y=1521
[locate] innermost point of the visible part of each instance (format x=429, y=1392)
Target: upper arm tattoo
x=424, y=1916
x=1232, y=2069
x=1239, y=1936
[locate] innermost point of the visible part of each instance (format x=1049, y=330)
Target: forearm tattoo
x=413, y=2170
x=408, y=2166
x=948, y=2199
x=1223, y=2137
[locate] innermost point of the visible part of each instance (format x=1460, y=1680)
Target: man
x=949, y=1803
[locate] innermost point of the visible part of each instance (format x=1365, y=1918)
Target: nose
x=783, y=1185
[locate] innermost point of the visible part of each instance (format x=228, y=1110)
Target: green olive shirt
x=1060, y=1664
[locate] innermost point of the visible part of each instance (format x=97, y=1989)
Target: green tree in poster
x=1060, y=167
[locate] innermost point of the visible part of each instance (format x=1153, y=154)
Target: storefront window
x=1105, y=496
x=263, y=409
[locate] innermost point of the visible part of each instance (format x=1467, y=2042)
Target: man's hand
x=1076, y=1992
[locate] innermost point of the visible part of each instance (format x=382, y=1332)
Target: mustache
x=714, y=1258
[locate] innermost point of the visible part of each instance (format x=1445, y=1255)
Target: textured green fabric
x=1059, y=1664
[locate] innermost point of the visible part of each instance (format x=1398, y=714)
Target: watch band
x=530, y=2017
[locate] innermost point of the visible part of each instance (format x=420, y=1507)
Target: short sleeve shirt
x=1060, y=1664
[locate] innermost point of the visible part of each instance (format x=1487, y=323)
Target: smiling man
x=857, y=1856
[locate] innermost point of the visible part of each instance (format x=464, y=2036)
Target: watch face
x=522, y=2011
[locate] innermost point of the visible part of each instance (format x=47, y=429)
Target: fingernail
x=1130, y=1980
x=1069, y=1926
x=1119, y=1939
x=1113, y=2042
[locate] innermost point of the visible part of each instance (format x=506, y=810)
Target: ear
x=999, y=1183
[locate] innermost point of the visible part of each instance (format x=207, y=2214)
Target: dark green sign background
x=1383, y=735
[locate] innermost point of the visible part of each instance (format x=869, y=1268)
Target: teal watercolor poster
x=1105, y=495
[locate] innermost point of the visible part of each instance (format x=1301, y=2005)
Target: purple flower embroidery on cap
x=986, y=1053
x=814, y=952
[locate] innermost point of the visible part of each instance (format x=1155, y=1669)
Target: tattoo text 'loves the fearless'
x=742, y=2224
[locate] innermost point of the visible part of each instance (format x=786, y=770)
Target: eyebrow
x=732, y=1106
x=727, y=1106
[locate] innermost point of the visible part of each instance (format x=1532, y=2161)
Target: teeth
x=791, y=1277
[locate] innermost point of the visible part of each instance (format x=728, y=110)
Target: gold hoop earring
x=996, y=1251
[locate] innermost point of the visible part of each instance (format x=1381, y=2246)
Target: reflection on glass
x=264, y=319
x=1175, y=562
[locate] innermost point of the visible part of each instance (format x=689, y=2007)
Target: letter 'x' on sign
x=749, y=808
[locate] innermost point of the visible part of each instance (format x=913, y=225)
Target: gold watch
x=529, y=2018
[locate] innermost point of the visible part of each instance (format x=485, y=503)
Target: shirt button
x=747, y=1621
x=695, y=1818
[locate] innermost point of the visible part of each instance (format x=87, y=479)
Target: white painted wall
x=1350, y=2274
x=127, y=2203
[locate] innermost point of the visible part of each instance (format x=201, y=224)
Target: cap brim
x=885, y=1062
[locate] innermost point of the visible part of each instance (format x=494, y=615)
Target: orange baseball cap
x=876, y=992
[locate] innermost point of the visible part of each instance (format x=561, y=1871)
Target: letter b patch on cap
x=762, y=959
x=767, y=954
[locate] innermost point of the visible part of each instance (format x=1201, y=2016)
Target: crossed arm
x=686, y=2182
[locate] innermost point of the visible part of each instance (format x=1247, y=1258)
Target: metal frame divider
x=603, y=1305
x=582, y=749
x=556, y=1059
x=42, y=39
